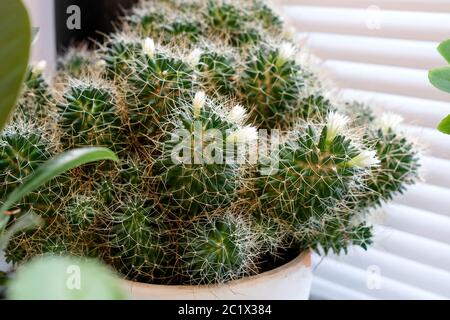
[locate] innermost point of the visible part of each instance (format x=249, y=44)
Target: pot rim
x=304, y=259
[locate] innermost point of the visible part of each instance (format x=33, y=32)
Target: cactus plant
x=272, y=84
x=180, y=92
x=399, y=161
x=157, y=81
x=140, y=240
x=77, y=62
x=89, y=116
x=319, y=170
x=23, y=149
x=217, y=248
x=217, y=72
x=203, y=178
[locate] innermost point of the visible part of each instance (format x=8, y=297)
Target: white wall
x=42, y=16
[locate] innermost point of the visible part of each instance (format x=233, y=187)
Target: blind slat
x=413, y=247
x=428, y=198
x=415, y=221
x=436, y=172
x=432, y=141
x=325, y=289
x=357, y=279
x=421, y=112
x=403, y=270
x=385, y=79
x=373, y=50
x=410, y=5
x=423, y=26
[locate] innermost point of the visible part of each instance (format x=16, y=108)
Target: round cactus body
x=89, y=117
x=217, y=73
x=140, y=240
x=271, y=84
x=22, y=150
x=36, y=96
x=157, y=82
x=315, y=172
x=399, y=166
x=216, y=249
x=195, y=173
x=118, y=53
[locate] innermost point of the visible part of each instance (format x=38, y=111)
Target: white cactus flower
x=237, y=114
x=100, y=63
x=365, y=159
x=199, y=103
x=194, y=57
x=390, y=121
x=247, y=134
x=148, y=47
x=39, y=67
x=287, y=51
x=336, y=123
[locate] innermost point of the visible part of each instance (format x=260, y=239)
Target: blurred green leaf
x=15, y=40
x=440, y=78
x=51, y=169
x=35, y=34
x=25, y=222
x=444, y=50
x=444, y=126
x=65, y=278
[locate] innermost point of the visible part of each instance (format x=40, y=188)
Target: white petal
x=365, y=159
x=148, y=47
x=287, y=51
x=390, y=121
x=194, y=57
x=199, y=103
x=237, y=114
x=336, y=124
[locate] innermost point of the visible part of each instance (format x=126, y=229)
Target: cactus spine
x=218, y=248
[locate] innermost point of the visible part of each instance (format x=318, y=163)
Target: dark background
x=97, y=17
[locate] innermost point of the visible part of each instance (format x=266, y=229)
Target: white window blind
x=380, y=51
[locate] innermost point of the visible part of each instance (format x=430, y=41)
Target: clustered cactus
x=179, y=93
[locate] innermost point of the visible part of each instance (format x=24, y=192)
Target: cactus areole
x=236, y=155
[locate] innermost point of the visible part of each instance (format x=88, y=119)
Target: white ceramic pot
x=291, y=281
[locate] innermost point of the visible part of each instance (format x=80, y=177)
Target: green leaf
x=444, y=50
x=444, y=126
x=26, y=222
x=440, y=78
x=65, y=278
x=15, y=42
x=35, y=34
x=51, y=169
